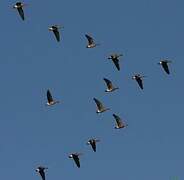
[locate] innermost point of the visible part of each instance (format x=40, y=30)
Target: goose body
x=19, y=7
x=91, y=42
x=50, y=100
x=139, y=80
x=100, y=107
x=41, y=171
x=115, y=60
x=119, y=122
x=75, y=157
x=164, y=64
x=93, y=142
x=110, y=87
x=55, y=30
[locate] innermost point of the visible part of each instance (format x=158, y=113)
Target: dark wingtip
x=167, y=72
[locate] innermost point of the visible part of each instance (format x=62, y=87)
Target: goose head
x=70, y=156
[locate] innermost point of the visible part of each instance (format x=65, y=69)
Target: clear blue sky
x=32, y=61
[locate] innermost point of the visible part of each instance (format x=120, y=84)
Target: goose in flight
x=91, y=42
x=110, y=86
x=164, y=64
x=93, y=142
x=119, y=123
x=41, y=171
x=19, y=6
x=138, y=78
x=100, y=107
x=75, y=157
x=55, y=30
x=50, y=100
x=115, y=60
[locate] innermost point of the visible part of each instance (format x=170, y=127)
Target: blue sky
x=31, y=134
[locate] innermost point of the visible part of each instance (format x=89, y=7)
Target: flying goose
x=55, y=30
x=119, y=123
x=100, y=107
x=91, y=42
x=19, y=6
x=115, y=59
x=93, y=142
x=75, y=157
x=41, y=171
x=110, y=86
x=138, y=78
x=164, y=64
x=50, y=100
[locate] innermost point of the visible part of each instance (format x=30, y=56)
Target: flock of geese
x=110, y=87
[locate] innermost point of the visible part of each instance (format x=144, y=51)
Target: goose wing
x=93, y=145
x=98, y=104
x=90, y=39
x=42, y=174
x=118, y=120
x=57, y=34
x=76, y=159
x=165, y=67
x=49, y=96
x=116, y=62
x=21, y=13
x=139, y=81
x=108, y=83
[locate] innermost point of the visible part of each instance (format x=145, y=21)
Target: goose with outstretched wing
x=100, y=107
x=110, y=86
x=50, y=100
x=75, y=157
x=55, y=30
x=41, y=171
x=139, y=80
x=93, y=142
x=91, y=42
x=19, y=6
x=164, y=64
x=115, y=60
x=119, y=123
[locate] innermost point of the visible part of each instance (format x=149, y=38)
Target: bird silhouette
x=93, y=142
x=41, y=171
x=91, y=42
x=115, y=60
x=50, y=100
x=139, y=80
x=55, y=30
x=19, y=6
x=164, y=64
x=75, y=157
x=100, y=107
x=110, y=87
x=119, y=122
